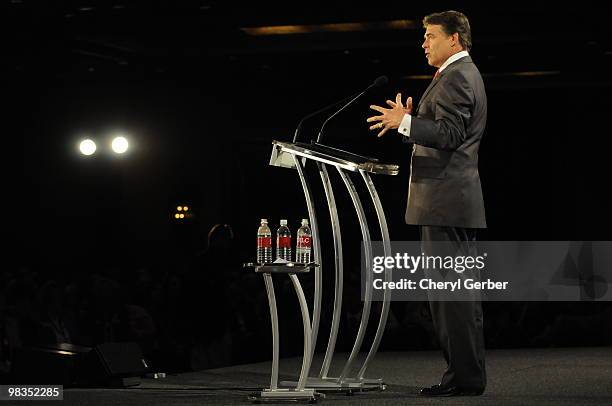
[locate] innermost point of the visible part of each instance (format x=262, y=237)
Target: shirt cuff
x=404, y=127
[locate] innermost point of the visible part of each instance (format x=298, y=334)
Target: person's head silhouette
x=220, y=237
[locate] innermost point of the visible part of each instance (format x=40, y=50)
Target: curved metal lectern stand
x=295, y=156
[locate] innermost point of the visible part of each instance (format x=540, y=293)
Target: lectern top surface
x=339, y=153
x=329, y=155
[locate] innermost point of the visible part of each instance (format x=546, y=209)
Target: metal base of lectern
x=365, y=384
x=348, y=385
x=286, y=395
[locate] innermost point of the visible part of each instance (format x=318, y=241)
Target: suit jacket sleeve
x=453, y=108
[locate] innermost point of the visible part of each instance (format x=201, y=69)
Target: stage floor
x=554, y=376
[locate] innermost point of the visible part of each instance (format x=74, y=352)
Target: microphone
x=380, y=81
x=298, y=129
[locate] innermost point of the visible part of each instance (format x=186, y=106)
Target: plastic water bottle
x=283, y=241
x=303, y=247
x=264, y=243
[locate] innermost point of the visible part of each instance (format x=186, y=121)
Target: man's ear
x=456, y=39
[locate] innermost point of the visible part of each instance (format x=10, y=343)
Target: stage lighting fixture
x=87, y=147
x=185, y=208
x=179, y=208
x=119, y=145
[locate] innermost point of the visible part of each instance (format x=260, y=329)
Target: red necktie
x=437, y=74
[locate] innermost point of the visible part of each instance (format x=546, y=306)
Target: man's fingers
x=391, y=103
x=398, y=99
x=375, y=118
x=409, y=103
x=384, y=130
x=378, y=108
x=377, y=126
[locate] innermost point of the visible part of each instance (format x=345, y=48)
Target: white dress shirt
x=404, y=127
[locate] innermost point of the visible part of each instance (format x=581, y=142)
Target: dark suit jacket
x=444, y=181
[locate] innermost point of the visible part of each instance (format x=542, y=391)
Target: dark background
x=92, y=241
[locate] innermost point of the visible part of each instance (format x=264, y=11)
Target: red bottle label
x=304, y=242
x=264, y=242
x=283, y=242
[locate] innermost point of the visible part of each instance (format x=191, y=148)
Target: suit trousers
x=458, y=323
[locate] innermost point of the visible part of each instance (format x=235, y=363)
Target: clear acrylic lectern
x=352, y=376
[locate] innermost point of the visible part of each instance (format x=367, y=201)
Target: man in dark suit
x=445, y=196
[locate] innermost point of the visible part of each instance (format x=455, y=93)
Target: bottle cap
x=283, y=222
x=304, y=222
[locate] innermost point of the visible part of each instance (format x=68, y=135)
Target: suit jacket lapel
x=436, y=81
x=431, y=86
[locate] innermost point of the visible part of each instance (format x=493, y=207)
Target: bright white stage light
x=87, y=147
x=119, y=145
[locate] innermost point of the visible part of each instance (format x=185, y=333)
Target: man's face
x=438, y=45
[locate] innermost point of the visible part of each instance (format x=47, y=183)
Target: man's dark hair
x=452, y=22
